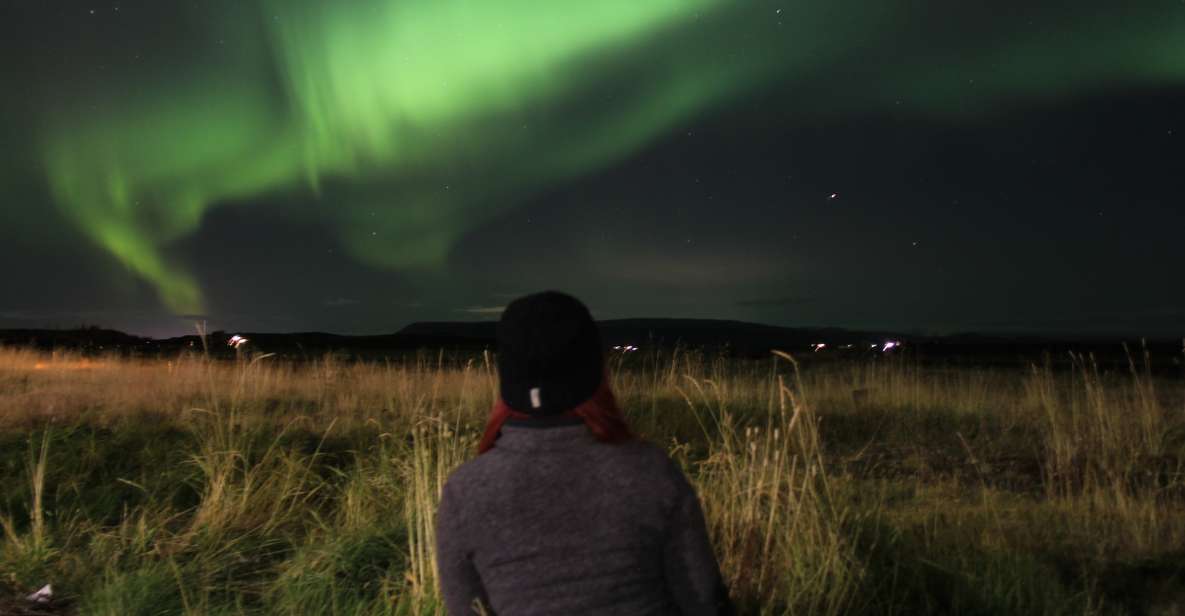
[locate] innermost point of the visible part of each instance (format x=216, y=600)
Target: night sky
x=926, y=166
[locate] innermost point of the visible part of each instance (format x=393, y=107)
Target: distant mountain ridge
x=739, y=335
x=738, y=338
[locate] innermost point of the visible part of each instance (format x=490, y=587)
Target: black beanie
x=550, y=357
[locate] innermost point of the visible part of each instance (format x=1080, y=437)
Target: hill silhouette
x=734, y=338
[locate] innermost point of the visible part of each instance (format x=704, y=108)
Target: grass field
x=193, y=486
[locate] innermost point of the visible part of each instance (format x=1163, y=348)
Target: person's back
x=559, y=523
x=564, y=511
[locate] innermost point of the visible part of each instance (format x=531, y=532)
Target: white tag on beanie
x=535, y=403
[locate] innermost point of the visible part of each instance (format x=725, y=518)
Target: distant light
x=891, y=344
x=819, y=345
x=236, y=341
x=833, y=196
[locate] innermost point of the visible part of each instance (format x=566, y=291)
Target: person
x=564, y=510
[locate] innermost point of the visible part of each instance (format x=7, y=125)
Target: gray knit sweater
x=551, y=521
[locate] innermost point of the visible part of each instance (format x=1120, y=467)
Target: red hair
x=600, y=414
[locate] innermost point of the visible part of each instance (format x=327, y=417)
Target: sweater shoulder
x=469, y=472
x=649, y=455
x=639, y=457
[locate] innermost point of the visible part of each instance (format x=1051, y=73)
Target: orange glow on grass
x=84, y=364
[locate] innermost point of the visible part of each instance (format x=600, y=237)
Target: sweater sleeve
x=692, y=574
x=459, y=581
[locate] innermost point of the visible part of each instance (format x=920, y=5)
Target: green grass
x=883, y=487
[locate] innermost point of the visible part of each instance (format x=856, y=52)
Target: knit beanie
x=550, y=357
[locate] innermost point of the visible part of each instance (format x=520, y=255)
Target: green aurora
x=412, y=122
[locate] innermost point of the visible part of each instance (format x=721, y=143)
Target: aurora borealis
x=352, y=166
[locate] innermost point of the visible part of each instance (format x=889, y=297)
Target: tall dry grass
x=267, y=486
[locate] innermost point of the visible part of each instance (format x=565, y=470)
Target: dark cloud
x=785, y=300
